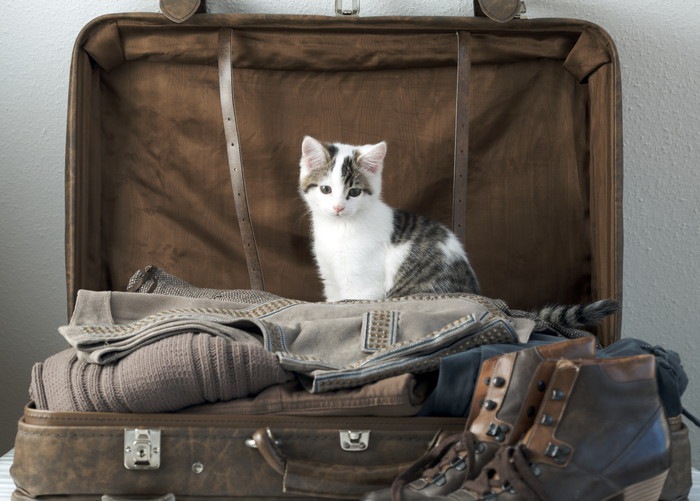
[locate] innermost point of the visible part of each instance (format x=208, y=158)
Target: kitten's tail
x=578, y=315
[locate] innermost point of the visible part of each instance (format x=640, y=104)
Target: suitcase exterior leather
x=217, y=456
x=149, y=182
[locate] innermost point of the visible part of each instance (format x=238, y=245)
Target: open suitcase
x=182, y=151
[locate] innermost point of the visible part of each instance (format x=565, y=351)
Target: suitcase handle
x=316, y=478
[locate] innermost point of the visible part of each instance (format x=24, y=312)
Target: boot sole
x=648, y=490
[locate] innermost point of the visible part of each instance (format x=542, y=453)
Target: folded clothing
x=167, y=375
x=395, y=396
x=153, y=280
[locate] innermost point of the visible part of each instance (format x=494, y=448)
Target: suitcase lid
x=147, y=172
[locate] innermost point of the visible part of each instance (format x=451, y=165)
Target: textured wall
x=659, y=46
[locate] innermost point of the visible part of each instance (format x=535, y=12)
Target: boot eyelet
x=439, y=479
x=480, y=448
x=547, y=420
x=558, y=453
x=558, y=394
x=541, y=385
x=499, y=382
x=458, y=464
x=490, y=405
x=498, y=432
x=509, y=488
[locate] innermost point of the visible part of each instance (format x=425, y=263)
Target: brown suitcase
x=182, y=151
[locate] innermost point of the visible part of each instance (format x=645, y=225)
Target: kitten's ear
x=372, y=157
x=313, y=155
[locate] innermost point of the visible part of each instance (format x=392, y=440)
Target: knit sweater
x=167, y=375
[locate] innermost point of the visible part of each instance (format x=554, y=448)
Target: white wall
x=659, y=45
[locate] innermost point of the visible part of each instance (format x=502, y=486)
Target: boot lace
x=451, y=451
x=509, y=470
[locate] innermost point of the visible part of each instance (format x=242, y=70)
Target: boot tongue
x=539, y=441
x=533, y=398
x=498, y=372
x=482, y=387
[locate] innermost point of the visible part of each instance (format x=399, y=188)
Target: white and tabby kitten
x=365, y=249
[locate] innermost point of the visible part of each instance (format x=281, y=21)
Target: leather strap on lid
x=233, y=151
x=461, y=155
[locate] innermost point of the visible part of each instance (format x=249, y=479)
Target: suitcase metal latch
x=340, y=9
x=141, y=449
x=354, y=440
x=522, y=13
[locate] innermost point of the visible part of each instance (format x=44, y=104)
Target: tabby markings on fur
x=365, y=249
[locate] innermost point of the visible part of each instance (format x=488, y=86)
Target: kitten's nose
x=338, y=208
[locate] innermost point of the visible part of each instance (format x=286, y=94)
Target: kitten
x=365, y=249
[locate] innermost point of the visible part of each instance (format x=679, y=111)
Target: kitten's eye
x=354, y=192
x=325, y=189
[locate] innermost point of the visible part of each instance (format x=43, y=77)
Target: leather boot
x=679, y=480
x=600, y=435
x=507, y=395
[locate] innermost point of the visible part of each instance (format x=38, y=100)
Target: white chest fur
x=355, y=257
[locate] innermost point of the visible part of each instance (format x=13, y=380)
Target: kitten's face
x=339, y=180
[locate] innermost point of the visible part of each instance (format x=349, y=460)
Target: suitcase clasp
x=354, y=440
x=341, y=11
x=141, y=449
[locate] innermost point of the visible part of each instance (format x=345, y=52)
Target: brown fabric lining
x=308, y=50
x=543, y=199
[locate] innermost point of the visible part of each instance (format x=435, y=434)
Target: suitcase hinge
x=354, y=440
x=141, y=449
x=340, y=11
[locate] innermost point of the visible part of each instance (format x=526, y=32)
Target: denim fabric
x=452, y=395
x=329, y=345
